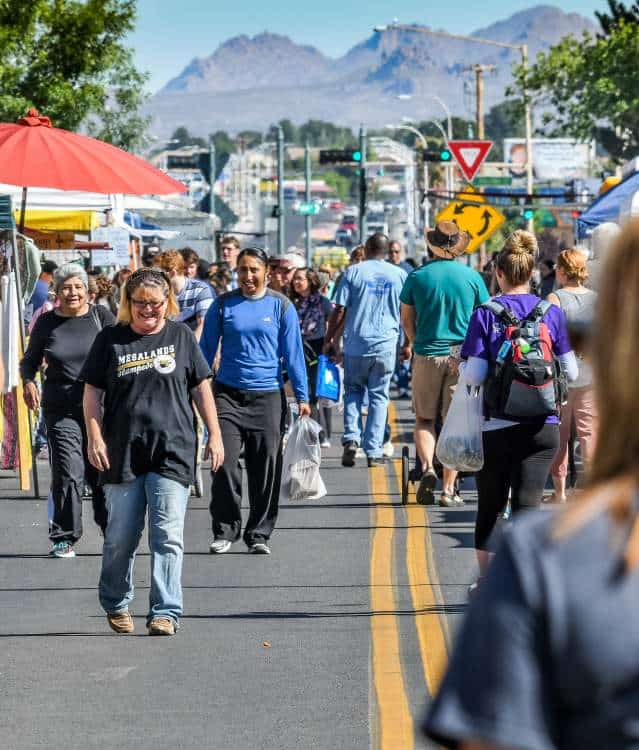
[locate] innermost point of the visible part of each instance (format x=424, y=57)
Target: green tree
x=67, y=58
x=617, y=12
x=589, y=88
x=340, y=183
x=182, y=137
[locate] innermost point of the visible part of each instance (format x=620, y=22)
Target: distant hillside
x=249, y=83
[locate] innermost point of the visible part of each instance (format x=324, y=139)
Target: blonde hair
x=517, y=258
x=171, y=260
x=152, y=278
x=614, y=470
x=573, y=263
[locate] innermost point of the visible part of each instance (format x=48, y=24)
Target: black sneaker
x=426, y=491
x=348, y=456
x=376, y=461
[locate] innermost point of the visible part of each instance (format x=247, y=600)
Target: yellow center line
x=424, y=585
x=394, y=720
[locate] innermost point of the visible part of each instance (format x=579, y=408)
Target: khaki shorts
x=433, y=386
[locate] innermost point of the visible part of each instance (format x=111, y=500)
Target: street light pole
x=424, y=148
x=308, y=198
x=362, y=185
x=281, y=226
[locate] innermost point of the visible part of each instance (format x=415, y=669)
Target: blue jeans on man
x=166, y=500
x=372, y=374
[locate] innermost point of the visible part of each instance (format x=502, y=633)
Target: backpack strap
x=502, y=312
x=538, y=313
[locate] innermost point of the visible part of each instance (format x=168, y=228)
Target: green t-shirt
x=444, y=294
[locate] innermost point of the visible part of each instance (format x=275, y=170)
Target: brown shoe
x=121, y=622
x=161, y=626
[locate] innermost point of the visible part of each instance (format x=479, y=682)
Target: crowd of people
x=124, y=359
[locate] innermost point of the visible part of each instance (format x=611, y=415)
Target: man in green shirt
x=437, y=302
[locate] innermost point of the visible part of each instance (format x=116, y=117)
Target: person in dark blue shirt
x=257, y=328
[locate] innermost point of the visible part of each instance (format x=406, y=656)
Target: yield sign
x=470, y=155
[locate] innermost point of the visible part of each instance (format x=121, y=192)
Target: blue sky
x=171, y=32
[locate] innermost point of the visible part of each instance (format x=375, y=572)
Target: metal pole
x=529, y=146
x=308, y=198
x=281, y=225
x=23, y=338
x=362, y=185
x=479, y=78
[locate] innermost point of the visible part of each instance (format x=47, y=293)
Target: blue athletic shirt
x=256, y=335
x=370, y=293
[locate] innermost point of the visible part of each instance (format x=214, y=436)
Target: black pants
x=518, y=459
x=323, y=414
x=70, y=468
x=254, y=421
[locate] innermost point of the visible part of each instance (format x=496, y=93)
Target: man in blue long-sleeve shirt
x=258, y=329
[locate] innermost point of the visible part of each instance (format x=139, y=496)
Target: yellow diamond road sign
x=473, y=215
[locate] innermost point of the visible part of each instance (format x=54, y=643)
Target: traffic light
x=529, y=213
x=340, y=156
x=441, y=156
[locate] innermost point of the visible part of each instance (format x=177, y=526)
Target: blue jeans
x=127, y=504
x=370, y=374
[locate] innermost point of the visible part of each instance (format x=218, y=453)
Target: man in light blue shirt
x=368, y=306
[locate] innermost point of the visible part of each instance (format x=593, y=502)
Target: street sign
x=492, y=181
x=308, y=209
x=474, y=216
x=470, y=155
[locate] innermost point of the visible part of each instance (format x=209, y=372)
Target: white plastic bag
x=301, y=461
x=460, y=445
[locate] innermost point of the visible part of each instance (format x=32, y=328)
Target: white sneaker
x=325, y=444
x=388, y=449
x=219, y=546
x=360, y=453
x=259, y=548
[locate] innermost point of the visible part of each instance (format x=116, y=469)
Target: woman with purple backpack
x=517, y=347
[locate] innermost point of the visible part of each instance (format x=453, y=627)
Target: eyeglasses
x=142, y=303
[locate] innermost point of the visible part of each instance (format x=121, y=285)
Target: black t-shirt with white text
x=148, y=417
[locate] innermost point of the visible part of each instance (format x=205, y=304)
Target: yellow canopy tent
x=45, y=220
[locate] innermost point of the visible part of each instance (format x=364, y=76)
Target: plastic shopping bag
x=460, y=445
x=301, y=461
x=328, y=384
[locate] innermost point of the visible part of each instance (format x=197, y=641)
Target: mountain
x=249, y=83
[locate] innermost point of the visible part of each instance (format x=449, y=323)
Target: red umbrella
x=35, y=154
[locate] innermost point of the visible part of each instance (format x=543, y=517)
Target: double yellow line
x=394, y=729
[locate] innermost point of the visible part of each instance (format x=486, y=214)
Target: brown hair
x=614, y=470
x=146, y=278
x=171, y=260
x=229, y=239
x=573, y=263
x=357, y=254
x=104, y=286
x=189, y=255
x=517, y=258
x=313, y=282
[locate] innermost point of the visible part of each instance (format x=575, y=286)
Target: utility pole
x=308, y=199
x=212, y=176
x=281, y=225
x=479, y=71
x=362, y=185
x=529, y=145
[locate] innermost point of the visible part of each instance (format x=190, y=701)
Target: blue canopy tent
x=606, y=207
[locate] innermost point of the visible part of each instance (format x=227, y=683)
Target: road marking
x=394, y=720
x=423, y=582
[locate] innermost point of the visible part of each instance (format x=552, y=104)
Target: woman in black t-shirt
x=147, y=368
x=63, y=337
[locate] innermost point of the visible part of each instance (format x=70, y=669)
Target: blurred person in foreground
x=140, y=379
x=548, y=654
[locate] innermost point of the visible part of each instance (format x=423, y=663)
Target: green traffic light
x=357, y=155
x=529, y=214
x=445, y=155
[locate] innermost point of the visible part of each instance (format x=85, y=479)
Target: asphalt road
x=334, y=641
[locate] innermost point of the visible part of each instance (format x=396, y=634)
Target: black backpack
x=526, y=381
